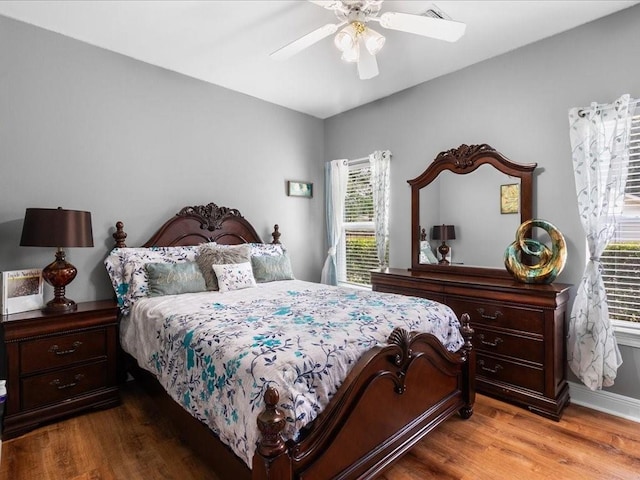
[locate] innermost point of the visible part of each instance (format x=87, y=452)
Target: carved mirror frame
x=462, y=161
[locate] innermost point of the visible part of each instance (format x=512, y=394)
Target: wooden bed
x=394, y=396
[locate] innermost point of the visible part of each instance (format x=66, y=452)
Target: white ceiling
x=228, y=43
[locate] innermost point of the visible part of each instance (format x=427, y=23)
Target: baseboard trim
x=607, y=402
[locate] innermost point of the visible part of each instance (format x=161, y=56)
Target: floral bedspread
x=216, y=353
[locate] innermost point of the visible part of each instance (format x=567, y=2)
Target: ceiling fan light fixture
x=373, y=41
x=352, y=55
x=346, y=38
x=359, y=43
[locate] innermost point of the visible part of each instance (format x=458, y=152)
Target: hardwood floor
x=499, y=442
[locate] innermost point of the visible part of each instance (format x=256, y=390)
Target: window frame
x=360, y=226
x=628, y=331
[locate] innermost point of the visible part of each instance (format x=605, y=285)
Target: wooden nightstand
x=59, y=364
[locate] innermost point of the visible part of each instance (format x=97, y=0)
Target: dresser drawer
x=503, y=316
x=54, y=387
x=509, y=372
x=512, y=345
x=62, y=350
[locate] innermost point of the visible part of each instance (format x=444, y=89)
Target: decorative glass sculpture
x=531, y=261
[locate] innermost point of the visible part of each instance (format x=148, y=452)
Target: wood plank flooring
x=499, y=442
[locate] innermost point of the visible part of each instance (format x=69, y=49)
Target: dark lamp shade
x=443, y=232
x=56, y=227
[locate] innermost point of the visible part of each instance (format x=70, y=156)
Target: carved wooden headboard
x=198, y=224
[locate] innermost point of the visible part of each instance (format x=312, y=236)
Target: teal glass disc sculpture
x=531, y=261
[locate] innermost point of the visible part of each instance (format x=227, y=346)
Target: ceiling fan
x=358, y=42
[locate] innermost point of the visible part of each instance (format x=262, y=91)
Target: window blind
x=358, y=254
x=621, y=258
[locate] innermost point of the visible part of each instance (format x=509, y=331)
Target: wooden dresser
x=519, y=331
x=59, y=364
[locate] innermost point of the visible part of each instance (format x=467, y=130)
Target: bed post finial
x=271, y=422
x=119, y=236
x=271, y=460
x=276, y=234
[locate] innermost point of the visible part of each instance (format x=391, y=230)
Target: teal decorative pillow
x=234, y=276
x=174, y=278
x=271, y=268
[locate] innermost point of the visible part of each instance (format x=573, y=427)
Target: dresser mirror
x=481, y=197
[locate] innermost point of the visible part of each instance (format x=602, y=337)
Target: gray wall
x=87, y=129
x=517, y=103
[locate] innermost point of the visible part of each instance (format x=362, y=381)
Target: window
x=357, y=250
x=621, y=258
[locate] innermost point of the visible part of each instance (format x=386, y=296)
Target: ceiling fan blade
x=367, y=64
x=438, y=28
x=328, y=4
x=309, y=39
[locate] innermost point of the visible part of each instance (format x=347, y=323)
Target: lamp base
x=59, y=274
x=60, y=305
x=444, y=251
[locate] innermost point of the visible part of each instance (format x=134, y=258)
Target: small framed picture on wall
x=299, y=189
x=509, y=198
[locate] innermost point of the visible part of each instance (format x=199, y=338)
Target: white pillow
x=234, y=276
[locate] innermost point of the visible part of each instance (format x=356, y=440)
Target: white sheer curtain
x=380, y=183
x=600, y=151
x=336, y=176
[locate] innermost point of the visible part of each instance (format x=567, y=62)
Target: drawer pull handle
x=495, y=369
x=56, y=349
x=56, y=382
x=497, y=315
x=495, y=343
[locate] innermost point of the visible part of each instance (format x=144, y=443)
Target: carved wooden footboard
x=394, y=396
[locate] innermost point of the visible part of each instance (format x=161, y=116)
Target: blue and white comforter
x=216, y=353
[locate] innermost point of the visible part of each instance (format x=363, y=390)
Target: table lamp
x=444, y=233
x=56, y=227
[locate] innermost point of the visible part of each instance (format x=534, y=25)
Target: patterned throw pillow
x=262, y=249
x=115, y=268
x=174, y=279
x=234, y=276
x=212, y=254
x=126, y=268
x=271, y=268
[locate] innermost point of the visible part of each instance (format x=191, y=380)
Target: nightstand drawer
x=500, y=315
x=56, y=386
x=62, y=350
x=510, y=372
x=511, y=345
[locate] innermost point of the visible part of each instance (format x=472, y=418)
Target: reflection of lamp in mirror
x=444, y=233
x=49, y=227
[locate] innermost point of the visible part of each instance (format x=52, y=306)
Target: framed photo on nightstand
x=21, y=290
